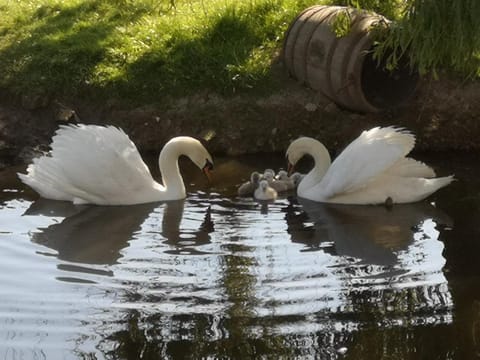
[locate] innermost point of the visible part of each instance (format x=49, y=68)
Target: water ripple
x=86, y=280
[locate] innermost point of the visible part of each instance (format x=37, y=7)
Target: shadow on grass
x=207, y=60
x=61, y=50
x=61, y=54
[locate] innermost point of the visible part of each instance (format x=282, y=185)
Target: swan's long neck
x=322, y=161
x=171, y=177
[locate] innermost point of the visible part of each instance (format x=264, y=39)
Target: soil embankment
x=444, y=115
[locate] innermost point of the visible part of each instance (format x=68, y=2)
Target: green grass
x=147, y=50
x=140, y=50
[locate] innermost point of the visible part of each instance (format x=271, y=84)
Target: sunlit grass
x=147, y=50
x=141, y=50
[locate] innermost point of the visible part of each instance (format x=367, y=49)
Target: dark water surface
x=216, y=276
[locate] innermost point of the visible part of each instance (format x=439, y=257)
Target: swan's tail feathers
x=433, y=185
x=444, y=181
x=44, y=179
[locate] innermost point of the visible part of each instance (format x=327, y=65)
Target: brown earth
x=444, y=115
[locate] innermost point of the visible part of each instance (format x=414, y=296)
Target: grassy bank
x=141, y=50
x=144, y=50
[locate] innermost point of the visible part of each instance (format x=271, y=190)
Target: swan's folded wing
x=373, y=152
x=408, y=167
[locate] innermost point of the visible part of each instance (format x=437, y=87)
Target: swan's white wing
x=373, y=152
x=87, y=164
x=399, y=189
x=100, y=160
x=408, y=167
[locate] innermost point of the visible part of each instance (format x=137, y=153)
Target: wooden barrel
x=343, y=68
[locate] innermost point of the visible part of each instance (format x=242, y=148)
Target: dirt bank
x=443, y=114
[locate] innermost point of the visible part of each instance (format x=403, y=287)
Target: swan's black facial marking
x=290, y=168
x=207, y=168
x=208, y=165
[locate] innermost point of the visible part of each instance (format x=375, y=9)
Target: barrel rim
x=354, y=94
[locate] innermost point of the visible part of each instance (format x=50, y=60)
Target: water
x=216, y=276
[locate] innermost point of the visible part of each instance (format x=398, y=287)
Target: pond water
x=217, y=276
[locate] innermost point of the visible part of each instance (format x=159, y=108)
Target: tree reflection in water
x=211, y=276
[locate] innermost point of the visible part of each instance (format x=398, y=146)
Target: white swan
x=90, y=164
x=264, y=191
x=372, y=169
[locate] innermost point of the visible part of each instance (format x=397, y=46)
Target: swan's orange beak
x=207, y=170
x=290, y=168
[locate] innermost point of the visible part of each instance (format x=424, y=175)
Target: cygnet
x=296, y=177
x=247, y=188
x=283, y=182
x=269, y=175
x=265, y=191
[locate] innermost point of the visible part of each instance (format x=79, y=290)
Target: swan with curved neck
x=371, y=170
x=91, y=164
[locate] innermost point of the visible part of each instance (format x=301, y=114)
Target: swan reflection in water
x=399, y=244
x=97, y=234
x=356, y=259
x=308, y=267
x=372, y=235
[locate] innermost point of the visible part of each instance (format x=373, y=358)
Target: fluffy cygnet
x=247, y=188
x=284, y=181
x=265, y=191
x=282, y=175
x=296, y=177
x=269, y=175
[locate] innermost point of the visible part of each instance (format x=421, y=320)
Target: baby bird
x=265, y=192
x=269, y=175
x=284, y=179
x=282, y=182
x=247, y=188
x=296, y=177
x=282, y=175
